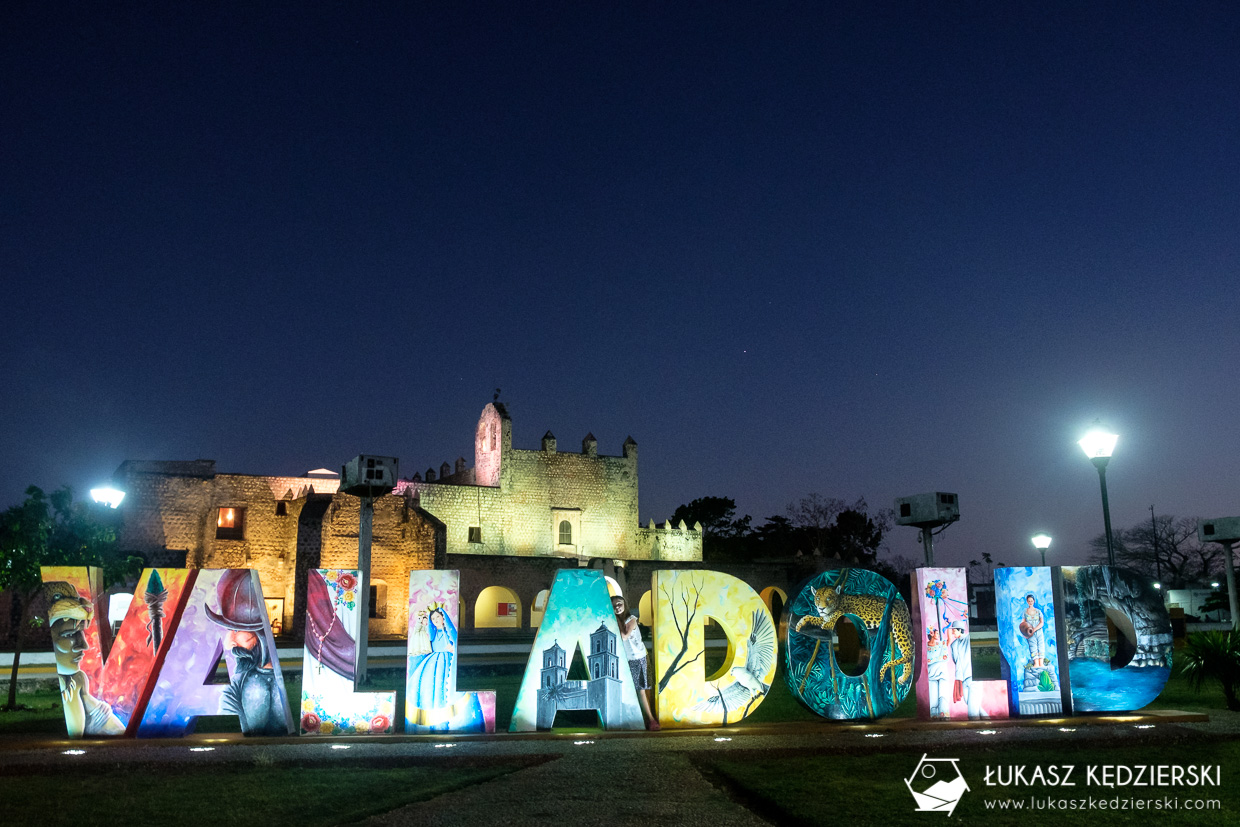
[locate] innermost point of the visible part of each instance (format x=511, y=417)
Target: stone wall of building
x=527, y=577
x=171, y=517
x=521, y=498
x=669, y=543
x=498, y=522
x=403, y=538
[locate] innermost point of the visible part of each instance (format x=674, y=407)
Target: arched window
x=566, y=533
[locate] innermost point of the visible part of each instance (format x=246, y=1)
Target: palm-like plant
x=1214, y=656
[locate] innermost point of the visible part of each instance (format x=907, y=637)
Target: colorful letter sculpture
x=224, y=614
x=102, y=696
x=686, y=696
x=882, y=619
x=432, y=703
x=329, y=704
x=578, y=614
x=1127, y=680
x=946, y=689
x=1031, y=641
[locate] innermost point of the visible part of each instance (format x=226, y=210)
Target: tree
x=815, y=514
x=779, y=537
x=724, y=536
x=855, y=535
x=1165, y=548
x=838, y=529
x=1218, y=602
x=50, y=530
x=985, y=568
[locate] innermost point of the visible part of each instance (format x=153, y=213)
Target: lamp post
x=1098, y=444
x=1042, y=541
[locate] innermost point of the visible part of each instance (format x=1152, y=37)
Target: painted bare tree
x=684, y=608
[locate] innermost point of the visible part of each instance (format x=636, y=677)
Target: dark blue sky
x=787, y=248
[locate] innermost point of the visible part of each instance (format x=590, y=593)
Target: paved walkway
x=617, y=778
x=625, y=786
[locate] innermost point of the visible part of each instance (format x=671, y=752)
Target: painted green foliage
x=881, y=618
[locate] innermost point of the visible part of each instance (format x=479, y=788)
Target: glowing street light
x=1098, y=444
x=1042, y=542
x=108, y=496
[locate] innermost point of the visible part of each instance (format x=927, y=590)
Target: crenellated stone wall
x=515, y=501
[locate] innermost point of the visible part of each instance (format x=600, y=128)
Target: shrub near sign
x=1052, y=623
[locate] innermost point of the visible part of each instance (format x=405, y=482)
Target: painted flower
x=348, y=597
x=327, y=728
x=310, y=722
x=380, y=723
x=307, y=705
x=347, y=582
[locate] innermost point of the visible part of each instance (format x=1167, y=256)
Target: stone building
x=545, y=503
x=507, y=523
x=186, y=514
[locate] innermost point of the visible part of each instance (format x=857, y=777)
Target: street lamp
x=108, y=496
x=1098, y=444
x=1042, y=542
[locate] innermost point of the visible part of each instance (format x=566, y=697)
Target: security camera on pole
x=366, y=476
x=1225, y=532
x=928, y=512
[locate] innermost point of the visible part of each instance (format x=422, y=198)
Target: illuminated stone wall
x=403, y=538
x=170, y=514
x=516, y=499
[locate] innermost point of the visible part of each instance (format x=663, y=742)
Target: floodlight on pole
x=1098, y=444
x=111, y=497
x=1226, y=532
x=1042, y=542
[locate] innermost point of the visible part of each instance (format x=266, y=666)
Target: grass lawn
x=214, y=795
x=803, y=789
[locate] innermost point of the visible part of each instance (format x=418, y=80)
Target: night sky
x=787, y=248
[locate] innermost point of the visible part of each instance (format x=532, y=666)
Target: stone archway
x=497, y=607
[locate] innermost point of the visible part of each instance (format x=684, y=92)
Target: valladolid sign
x=155, y=679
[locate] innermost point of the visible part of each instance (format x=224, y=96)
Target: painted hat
x=241, y=608
x=959, y=625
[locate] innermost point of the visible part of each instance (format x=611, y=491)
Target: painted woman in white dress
x=1032, y=628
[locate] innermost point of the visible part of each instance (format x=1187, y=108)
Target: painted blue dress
x=429, y=677
x=428, y=684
